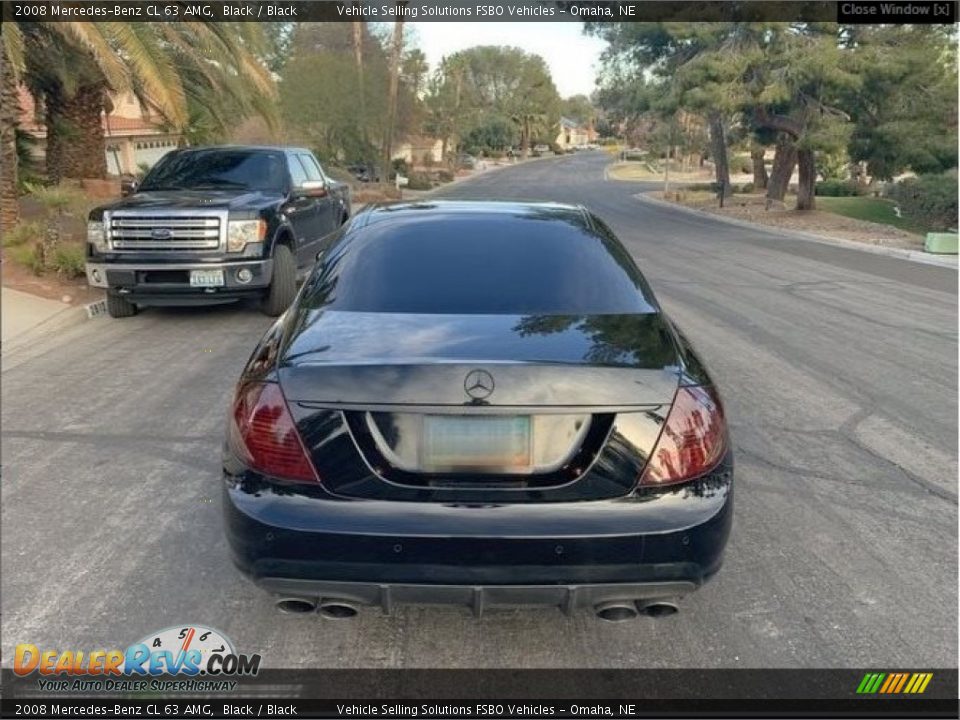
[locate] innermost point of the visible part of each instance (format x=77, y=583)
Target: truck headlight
x=241, y=232
x=96, y=235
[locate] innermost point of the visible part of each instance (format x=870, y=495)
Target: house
x=573, y=134
x=419, y=150
x=134, y=136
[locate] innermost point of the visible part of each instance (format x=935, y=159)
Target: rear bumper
x=168, y=283
x=568, y=598
x=572, y=554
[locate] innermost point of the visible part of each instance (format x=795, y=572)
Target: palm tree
x=11, y=64
x=201, y=76
x=16, y=52
x=206, y=73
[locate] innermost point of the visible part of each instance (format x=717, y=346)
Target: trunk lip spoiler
x=473, y=409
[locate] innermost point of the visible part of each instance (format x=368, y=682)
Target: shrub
x=419, y=181
x=68, y=260
x=746, y=188
x=837, y=188
x=445, y=176
x=929, y=200
x=21, y=233
x=29, y=256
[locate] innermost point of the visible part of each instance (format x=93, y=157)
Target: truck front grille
x=165, y=232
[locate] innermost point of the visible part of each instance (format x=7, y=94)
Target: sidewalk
x=950, y=261
x=20, y=312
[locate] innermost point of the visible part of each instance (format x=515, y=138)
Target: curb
x=899, y=253
x=67, y=317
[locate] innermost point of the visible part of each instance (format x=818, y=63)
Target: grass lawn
x=871, y=209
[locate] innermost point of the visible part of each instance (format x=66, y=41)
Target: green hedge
x=419, y=181
x=930, y=200
x=837, y=188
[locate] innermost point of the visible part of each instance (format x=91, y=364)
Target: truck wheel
x=283, y=284
x=119, y=307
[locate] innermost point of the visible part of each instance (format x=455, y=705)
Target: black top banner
x=847, y=11
x=536, y=709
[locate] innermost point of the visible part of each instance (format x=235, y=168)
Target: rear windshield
x=473, y=265
x=218, y=170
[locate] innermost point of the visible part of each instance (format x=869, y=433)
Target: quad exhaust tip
x=616, y=611
x=658, y=609
x=623, y=610
x=334, y=609
x=296, y=606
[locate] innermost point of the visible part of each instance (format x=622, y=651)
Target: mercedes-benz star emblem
x=478, y=384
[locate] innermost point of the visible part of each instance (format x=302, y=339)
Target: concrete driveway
x=839, y=371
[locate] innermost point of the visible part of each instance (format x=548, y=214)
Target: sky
x=572, y=56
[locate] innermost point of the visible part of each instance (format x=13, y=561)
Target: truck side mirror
x=311, y=188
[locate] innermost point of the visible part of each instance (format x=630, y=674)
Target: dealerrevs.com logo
x=189, y=651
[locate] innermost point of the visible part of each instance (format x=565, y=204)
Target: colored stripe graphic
x=894, y=683
x=870, y=683
x=903, y=679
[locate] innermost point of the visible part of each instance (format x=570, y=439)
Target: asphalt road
x=839, y=371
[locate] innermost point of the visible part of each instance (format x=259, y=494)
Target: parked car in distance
x=365, y=173
x=477, y=403
x=212, y=225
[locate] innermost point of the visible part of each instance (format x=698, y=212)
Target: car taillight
x=262, y=432
x=693, y=440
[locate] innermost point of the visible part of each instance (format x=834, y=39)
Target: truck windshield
x=218, y=169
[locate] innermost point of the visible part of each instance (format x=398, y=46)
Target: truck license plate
x=206, y=278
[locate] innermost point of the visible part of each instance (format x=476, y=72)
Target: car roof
x=447, y=210
x=254, y=148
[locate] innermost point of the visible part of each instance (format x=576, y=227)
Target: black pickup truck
x=213, y=225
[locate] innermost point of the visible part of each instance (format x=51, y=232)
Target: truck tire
x=283, y=284
x=118, y=307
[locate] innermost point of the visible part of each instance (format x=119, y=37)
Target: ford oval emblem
x=161, y=233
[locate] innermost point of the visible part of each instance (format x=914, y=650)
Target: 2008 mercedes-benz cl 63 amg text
x=477, y=403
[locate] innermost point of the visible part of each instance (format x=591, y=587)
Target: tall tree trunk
x=75, y=141
x=9, y=119
x=806, y=183
x=455, y=134
x=395, y=53
x=784, y=160
x=718, y=148
x=358, y=59
x=759, y=168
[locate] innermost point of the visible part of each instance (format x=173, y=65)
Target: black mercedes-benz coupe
x=477, y=403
